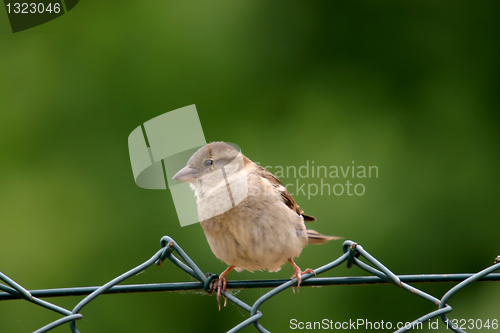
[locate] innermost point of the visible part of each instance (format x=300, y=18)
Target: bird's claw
x=297, y=274
x=220, y=285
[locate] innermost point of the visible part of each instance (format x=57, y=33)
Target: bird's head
x=209, y=158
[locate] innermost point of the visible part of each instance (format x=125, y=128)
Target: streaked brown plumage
x=264, y=230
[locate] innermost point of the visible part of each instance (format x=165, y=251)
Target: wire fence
x=352, y=252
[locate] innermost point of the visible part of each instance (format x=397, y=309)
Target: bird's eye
x=209, y=162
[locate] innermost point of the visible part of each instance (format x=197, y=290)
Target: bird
x=250, y=220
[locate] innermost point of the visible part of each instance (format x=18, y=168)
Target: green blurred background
x=410, y=87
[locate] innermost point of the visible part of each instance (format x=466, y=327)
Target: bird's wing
x=285, y=194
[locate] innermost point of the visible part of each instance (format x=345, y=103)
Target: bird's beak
x=186, y=174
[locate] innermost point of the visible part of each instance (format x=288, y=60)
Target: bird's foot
x=297, y=274
x=221, y=284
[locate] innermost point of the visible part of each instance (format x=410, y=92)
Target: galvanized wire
x=352, y=252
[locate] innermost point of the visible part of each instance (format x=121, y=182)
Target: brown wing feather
x=285, y=194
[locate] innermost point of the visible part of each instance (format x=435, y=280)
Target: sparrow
x=250, y=220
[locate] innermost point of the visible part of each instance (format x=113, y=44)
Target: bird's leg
x=221, y=284
x=297, y=273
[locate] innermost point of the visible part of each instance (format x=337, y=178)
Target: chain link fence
x=352, y=253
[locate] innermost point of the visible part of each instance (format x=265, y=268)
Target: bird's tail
x=314, y=237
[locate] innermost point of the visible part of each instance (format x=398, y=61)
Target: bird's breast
x=259, y=233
